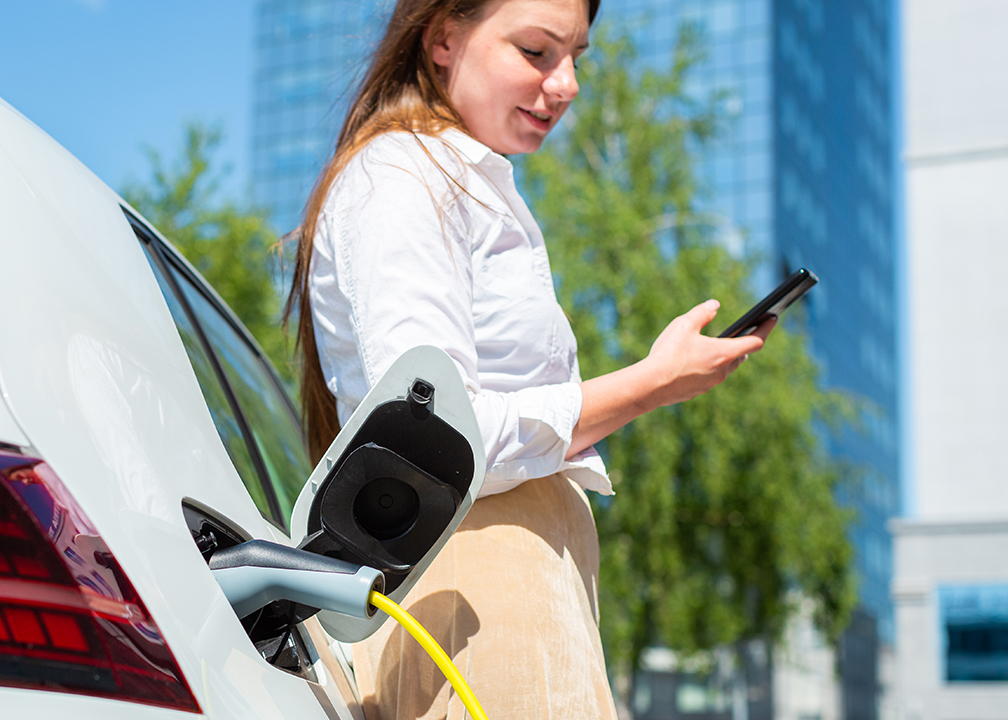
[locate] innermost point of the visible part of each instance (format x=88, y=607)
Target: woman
x=415, y=234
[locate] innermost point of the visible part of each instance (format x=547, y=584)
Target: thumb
x=702, y=314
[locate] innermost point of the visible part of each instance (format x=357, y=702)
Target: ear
x=443, y=42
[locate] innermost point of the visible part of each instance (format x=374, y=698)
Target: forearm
x=682, y=364
x=611, y=401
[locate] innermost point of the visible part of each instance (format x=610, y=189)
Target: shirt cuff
x=558, y=406
x=546, y=418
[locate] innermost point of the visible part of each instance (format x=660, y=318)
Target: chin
x=524, y=146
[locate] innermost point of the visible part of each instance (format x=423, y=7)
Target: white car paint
x=95, y=380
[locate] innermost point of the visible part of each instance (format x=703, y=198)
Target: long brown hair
x=401, y=91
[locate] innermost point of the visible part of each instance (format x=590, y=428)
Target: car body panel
x=10, y=431
x=96, y=380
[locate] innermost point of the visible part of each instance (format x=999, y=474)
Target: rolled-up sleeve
x=526, y=433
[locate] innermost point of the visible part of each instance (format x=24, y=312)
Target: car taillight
x=70, y=620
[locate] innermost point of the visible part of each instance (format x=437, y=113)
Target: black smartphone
x=797, y=284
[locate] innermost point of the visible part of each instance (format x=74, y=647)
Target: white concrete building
x=950, y=584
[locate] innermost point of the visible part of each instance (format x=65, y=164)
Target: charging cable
x=439, y=656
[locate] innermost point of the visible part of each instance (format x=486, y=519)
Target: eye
x=527, y=52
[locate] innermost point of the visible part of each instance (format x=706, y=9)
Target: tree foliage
x=724, y=505
x=229, y=243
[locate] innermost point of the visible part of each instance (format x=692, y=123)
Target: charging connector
x=255, y=573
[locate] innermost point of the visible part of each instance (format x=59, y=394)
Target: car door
x=259, y=427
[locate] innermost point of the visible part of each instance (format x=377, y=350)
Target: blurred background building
x=951, y=571
x=801, y=175
x=308, y=56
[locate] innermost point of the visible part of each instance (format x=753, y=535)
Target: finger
x=744, y=345
x=701, y=315
x=765, y=327
x=734, y=365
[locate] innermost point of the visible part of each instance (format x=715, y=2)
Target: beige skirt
x=513, y=599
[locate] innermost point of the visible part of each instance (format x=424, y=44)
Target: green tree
x=231, y=244
x=724, y=511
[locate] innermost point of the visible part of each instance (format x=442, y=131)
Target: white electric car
x=141, y=430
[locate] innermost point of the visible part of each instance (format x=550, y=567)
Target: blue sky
x=107, y=78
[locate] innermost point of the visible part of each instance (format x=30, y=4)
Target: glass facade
x=834, y=212
x=736, y=170
x=974, y=632
x=800, y=175
x=309, y=55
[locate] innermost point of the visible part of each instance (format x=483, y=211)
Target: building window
x=974, y=623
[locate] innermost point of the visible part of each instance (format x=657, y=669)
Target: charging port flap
x=397, y=481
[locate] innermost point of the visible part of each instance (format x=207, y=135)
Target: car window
x=275, y=430
x=216, y=398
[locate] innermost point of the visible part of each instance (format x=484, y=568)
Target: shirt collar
x=472, y=149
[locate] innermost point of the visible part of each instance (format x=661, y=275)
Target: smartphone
x=797, y=284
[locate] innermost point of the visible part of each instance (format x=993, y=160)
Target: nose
x=561, y=82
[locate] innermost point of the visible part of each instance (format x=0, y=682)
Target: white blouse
x=425, y=241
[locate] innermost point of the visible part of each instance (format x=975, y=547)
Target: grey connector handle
x=255, y=573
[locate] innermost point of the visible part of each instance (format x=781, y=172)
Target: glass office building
x=308, y=56
x=801, y=175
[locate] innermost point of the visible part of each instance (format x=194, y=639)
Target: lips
x=542, y=121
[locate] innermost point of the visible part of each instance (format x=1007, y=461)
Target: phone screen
x=796, y=285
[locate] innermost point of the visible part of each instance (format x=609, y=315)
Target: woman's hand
x=685, y=363
x=682, y=364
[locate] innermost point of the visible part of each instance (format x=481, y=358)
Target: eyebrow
x=556, y=37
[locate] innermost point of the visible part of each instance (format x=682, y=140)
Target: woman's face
x=510, y=74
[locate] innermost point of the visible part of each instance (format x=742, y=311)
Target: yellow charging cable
x=391, y=608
